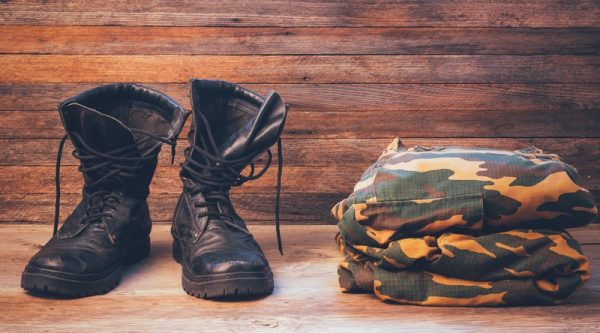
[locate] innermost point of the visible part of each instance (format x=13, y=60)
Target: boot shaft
x=233, y=124
x=118, y=131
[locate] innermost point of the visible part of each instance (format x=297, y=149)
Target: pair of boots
x=117, y=131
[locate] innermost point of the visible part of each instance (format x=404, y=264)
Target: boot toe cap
x=64, y=262
x=223, y=263
x=72, y=260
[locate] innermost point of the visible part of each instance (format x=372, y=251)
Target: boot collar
x=100, y=131
x=243, y=123
x=96, y=103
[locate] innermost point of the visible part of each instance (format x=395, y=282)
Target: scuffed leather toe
x=72, y=256
x=63, y=262
x=229, y=262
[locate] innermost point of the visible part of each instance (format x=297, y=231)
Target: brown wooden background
x=503, y=74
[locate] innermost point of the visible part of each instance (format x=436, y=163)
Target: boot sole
x=225, y=285
x=228, y=285
x=49, y=281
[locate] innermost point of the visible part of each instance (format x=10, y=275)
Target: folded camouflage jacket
x=426, y=191
x=446, y=192
x=517, y=267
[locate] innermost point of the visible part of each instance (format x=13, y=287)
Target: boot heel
x=176, y=251
x=139, y=249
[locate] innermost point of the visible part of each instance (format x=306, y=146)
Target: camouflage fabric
x=424, y=191
x=429, y=193
x=517, y=267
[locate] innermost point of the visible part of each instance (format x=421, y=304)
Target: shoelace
x=205, y=177
x=109, y=161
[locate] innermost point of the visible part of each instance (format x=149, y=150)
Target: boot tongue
x=99, y=131
x=258, y=134
x=254, y=136
x=104, y=134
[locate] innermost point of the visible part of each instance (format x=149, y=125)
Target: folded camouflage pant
x=422, y=195
x=517, y=267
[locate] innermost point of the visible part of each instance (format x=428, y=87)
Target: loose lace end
x=61, y=146
x=173, y=149
x=278, y=194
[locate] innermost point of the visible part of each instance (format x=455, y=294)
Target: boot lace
x=118, y=162
x=216, y=175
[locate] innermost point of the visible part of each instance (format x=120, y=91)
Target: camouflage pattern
x=517, y=267
x=425, y=195
x=425, y=191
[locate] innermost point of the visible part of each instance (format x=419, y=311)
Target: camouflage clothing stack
x=452, y=226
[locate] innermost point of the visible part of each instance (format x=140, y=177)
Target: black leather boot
x=232, y=127
x=117, y=131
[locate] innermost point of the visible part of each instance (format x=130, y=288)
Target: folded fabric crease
x=452, y=226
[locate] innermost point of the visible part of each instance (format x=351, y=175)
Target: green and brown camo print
x=452, y=226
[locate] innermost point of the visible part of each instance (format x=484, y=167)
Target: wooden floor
x=306, y=296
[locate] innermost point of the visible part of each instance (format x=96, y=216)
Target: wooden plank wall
x=502, y=74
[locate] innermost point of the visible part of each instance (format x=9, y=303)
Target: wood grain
x=301, y=69
x=351, y=124
x=306, y=296
x=352, y=97
x=255, y=40
x=40, y=179
x=321, y=152
x=500, y=74
x=445, y=13
x=314, y=155
x=334, y=178
x=254, y=208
